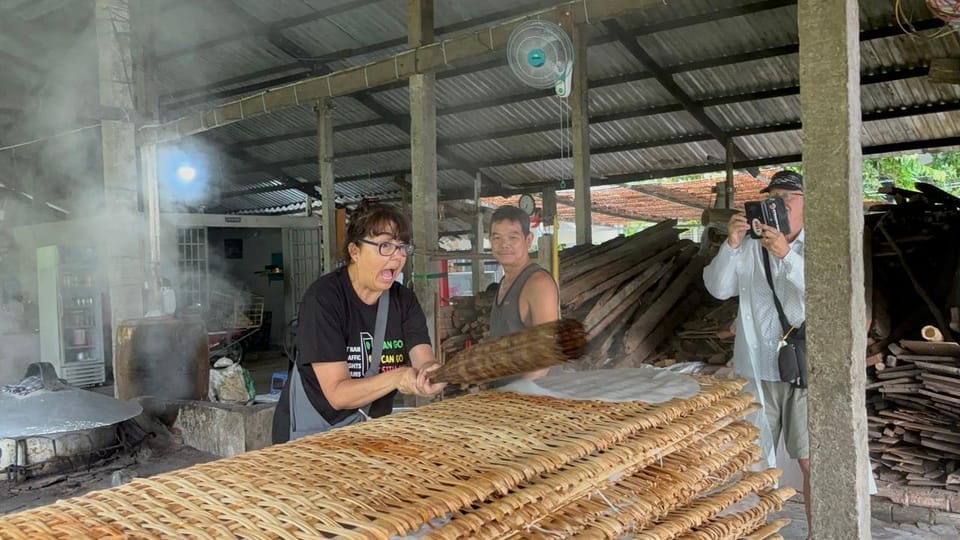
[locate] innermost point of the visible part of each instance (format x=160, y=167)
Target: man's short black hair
x=512, y=213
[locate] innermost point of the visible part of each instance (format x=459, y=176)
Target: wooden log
x=881, y=384
x=895, y=374
x=646, y=323
x=659, y=234
x=599, y=271
x=578, y=254
x=931, y=333
x=944, y=348
x=680, y=312
x=601, y=317
x=939, y=368
x=617, y=277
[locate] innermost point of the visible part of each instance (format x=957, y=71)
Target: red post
x=444, y=284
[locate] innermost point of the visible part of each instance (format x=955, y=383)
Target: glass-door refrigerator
x=71, y=316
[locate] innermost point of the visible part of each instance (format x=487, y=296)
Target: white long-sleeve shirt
x=739, y=272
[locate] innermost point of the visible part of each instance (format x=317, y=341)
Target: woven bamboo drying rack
x=487, y=465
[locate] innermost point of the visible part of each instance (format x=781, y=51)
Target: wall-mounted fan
x=540, y=54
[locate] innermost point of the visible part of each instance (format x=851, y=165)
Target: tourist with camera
x=762, y=263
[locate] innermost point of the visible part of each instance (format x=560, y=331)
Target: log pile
x=913, y=403
x=913, y=388
x=469, y=321
x=488, y=465
x=706, y=337
x=632, y=293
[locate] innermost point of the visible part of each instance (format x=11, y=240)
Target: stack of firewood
x=913, y=389
x=913, y=403
x=706, y=337
x=469, y=318
x=632, y=293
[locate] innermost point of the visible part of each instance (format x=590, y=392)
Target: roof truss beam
x=771, y=52
x=907, y=146
x=916, y=145
x=173, y=101
x=265, y=29
x=641, y=113
x=884, y=114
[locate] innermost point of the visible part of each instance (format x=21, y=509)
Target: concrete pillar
x=579, y=100
x=423, y=153
x=328, y=196
x=830, y=98
x=549, y=209
x=730, y=185
x=147, y=96
x=476, y=266
x=545, y=252
x=124, y=263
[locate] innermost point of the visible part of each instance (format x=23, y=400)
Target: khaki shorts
x=786, y=409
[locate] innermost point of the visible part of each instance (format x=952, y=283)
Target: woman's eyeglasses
x=389, y=248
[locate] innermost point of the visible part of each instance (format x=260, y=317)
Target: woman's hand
x=407, y=384
x=424, y=387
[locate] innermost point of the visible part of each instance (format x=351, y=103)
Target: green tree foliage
x=941, y=169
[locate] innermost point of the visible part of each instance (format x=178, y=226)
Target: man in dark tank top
x=527, y=295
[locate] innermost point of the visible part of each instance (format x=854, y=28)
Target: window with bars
x=304, y=263
x=193, y=266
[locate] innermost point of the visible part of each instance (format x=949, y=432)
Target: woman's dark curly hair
x=372, y=219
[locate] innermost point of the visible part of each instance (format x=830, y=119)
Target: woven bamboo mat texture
x=487, y=465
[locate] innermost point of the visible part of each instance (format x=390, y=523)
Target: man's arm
x=720, y=276
x=542, y=298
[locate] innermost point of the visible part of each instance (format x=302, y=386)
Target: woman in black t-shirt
x=337, y=324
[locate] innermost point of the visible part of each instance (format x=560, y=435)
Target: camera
x=771, y=211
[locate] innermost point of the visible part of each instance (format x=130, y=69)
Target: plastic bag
x=230, y=383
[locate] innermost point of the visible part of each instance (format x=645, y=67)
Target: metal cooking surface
x=48, y=413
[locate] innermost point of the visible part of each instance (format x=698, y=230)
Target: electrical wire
x=50, y=137
x=946, y=10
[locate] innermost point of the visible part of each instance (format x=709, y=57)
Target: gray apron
x=304, y=418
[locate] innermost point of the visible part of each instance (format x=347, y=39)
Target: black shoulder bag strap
x=380, y=330
x=785, y=325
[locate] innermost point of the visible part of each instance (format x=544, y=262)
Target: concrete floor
x=880, y=530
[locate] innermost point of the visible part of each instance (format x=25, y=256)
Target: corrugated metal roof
x=377, y=149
